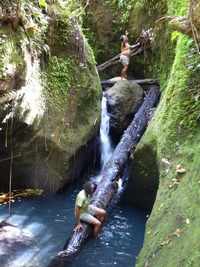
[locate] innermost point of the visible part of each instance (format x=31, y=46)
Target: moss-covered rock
x=53, y=118
x=174, y=132
x=172, y=232
x=143, y=178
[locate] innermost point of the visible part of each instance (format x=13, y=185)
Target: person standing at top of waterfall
x=125, y=55
x=86, y=212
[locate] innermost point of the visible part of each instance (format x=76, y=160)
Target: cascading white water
x=106, y=147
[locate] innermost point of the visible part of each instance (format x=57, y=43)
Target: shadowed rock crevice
x=39, y=162
x=144, y=178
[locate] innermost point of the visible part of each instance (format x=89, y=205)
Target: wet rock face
x=50, y=101
x=12, y=242
x=124, y=98
x=143, y=178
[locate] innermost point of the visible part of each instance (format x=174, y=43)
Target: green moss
x=66, y=80
x=172, y=232
x=72, y=86
x=178, y=7
x=70, y=83
x=178, y=112
x=176, y=211
x=59, y=77
x=157, y=62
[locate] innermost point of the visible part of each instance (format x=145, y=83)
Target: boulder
x=124, y=99
x=50, y=101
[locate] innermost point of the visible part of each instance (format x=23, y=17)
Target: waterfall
x=106, y=147
x=105, y=142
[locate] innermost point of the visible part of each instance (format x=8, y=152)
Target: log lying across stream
x=106, y=188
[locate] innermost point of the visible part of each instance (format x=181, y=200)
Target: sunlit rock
x=124, y=98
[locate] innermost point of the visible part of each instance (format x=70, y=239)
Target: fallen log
x=106, y=189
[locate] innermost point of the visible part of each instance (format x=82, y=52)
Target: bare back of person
x=125, y=49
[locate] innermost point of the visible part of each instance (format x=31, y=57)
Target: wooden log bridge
x=106, y=188
x=142, y=43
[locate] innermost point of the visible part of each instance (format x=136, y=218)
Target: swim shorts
x=89, y=215
x=124, y=60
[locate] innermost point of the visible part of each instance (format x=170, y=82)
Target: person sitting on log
x=125, y=55
x=85, y=212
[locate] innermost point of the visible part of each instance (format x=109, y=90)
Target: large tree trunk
x=106, y=189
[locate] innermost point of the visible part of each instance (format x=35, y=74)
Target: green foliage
x=70, y=8
x=43, y=3
x=178, y=7
x=124, y=7
x=175, y=35
x=71, y=85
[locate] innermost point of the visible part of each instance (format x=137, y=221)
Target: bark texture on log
x=106, y=189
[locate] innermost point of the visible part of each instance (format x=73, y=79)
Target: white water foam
x=106, y=147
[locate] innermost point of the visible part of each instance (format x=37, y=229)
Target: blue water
x=50, y=220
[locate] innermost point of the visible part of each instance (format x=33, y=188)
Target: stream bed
x=50, y=220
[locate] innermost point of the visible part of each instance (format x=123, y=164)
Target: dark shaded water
x=51, y=219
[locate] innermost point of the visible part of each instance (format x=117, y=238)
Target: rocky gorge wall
x=49, y=93
x=171, y=142
x=168, y=153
